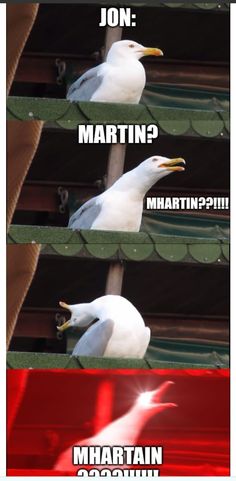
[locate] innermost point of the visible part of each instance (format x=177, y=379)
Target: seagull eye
x=155, y=159
x=131, y=45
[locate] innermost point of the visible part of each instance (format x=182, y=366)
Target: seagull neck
x=136, y=182
x=85, y=312
x=126, y=429
x=137, y=417
x=90, y=309
x=121, y=60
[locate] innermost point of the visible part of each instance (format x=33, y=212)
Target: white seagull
x=121, y=78
x=120, y=207
x=125, y=430
x=119, y=332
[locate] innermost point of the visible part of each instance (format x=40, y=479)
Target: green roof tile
x=129, y=247
x=111, y=363
x=157, y=228
x=35, y=360
x=214, y=6
x=208, y=117
x=226, y=251
x=29, y=108
x=137, y=252
x=204, y=253
x=43, y=235
x=110, y=112
x=175, y=127
x=211, y=6
x=160, y=239
x=67, y=249
x=110, y=237
x=167, y=252
x=219, y=6
x=208, y=127
x=67, y=124
x=29, y=360
x=225, y=117
x=102, y=251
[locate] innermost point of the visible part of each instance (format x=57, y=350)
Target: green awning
x=186, y=225
x=213, y=121
x=172, y=238
x=178, y=351
x=163, y=228
x=32, y=360
x=214, y=6
x=188, y=352
x=171, y=97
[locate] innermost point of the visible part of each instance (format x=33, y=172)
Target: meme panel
x=118, y=239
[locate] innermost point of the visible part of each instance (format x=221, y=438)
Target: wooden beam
x=113, y=34
x=41, y=322
x=43, y=196
x=116, y=161
x=38, y=323
x=114, y=278
x=115, y=170
x=39, y=68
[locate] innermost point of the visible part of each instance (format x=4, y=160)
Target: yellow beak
x=172, y=164
x=63, y=304
x=64, y=326
x=153, y=51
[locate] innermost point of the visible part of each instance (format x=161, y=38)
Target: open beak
x=173, y=166
x=159, y=393
x=63, y=304
x=153, y=399
x=66, y=324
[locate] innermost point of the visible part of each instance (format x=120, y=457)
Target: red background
x=50, y=410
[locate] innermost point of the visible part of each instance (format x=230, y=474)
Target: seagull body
x=121, y=78
x=119, y=332
x=124, y=431
x=120, y=207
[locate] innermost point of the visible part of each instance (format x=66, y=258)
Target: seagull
x=121, y=78
x=119, y=332
x=125, y=430
x=120, y=207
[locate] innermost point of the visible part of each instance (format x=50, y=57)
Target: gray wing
x=84, y=217
x=95, y=340
x=86, y=85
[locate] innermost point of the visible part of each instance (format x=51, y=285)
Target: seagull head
x=129, y=49
x=80, y=316
x=158, y=167
x=152, y=400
